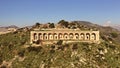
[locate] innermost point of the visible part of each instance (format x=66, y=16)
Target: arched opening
x=76, y=36
x=93, y=36
x=39, y=36
x=82, y=36
x=71, y=35
x=35, y=36
x=50, y=36
x=87, y=36
x=60, y=36
x=66, y=36
x=45, y=36
x=55, y=36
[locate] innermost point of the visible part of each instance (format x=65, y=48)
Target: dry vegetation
x=16, y=52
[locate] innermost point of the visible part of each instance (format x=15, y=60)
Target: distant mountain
x=2, y=29
x=5, y=28
x=11, y=26
x=116, y=26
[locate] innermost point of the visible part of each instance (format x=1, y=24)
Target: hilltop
x=15, y=50
x=7, y=29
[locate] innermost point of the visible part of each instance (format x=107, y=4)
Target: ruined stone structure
x=45, y=35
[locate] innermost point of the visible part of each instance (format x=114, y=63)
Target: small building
x=69, y=35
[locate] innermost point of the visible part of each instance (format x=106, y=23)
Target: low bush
x=74, y=47
x=36, y=49
x=21, y=53
x=114, y=34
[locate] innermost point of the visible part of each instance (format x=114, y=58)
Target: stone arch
x=55, y=36
x=71, y=36
x=87, y=36
x=45, y=37
x=76, y=35
x=66, y=36
x=39, y=36
x=82, y=36
x=93, y=36
x=60, y=35
x=35, y=36
x=50, y=36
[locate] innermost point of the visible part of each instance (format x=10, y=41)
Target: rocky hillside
x=7, y=29
x=116, y=26
x=16, y=52
x=4, y=28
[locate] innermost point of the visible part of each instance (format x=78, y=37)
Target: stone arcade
x=69, y=35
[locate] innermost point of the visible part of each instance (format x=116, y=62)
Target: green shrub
x=21, y=53
x=114, y=34
x=52, y=51
x=74, y=47
x=63, y=23
x=53, y=47
x=112, y=46
x=36, y=49
x=51, y=25
x=3, y=66
x=60, y=42
x=104, y=38
x=1, y=60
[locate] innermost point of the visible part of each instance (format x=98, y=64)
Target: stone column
x=62, y=36
x=91, y=37
x=31, y=37
x=74, y=37
x=84, y=37
x=47, y=36
x=56, y=36
x=97, y=36
x=68, y=37
x=79, y=36
x=37, y=36
x=52, y=37
x=41, y=36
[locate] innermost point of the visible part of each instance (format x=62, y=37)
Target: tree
x=114, y=34
x=51, y=25
x=52, y=47
x=63, y=23
x=75, y=46
x=37, y=24
x=60, y=42
x=21, y=53
x=35, y=49
x=38, y=41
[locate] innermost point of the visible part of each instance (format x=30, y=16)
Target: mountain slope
x=15, y=51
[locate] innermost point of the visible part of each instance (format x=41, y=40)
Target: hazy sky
x=28, y=12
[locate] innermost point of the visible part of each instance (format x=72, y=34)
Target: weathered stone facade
x=65, y=35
